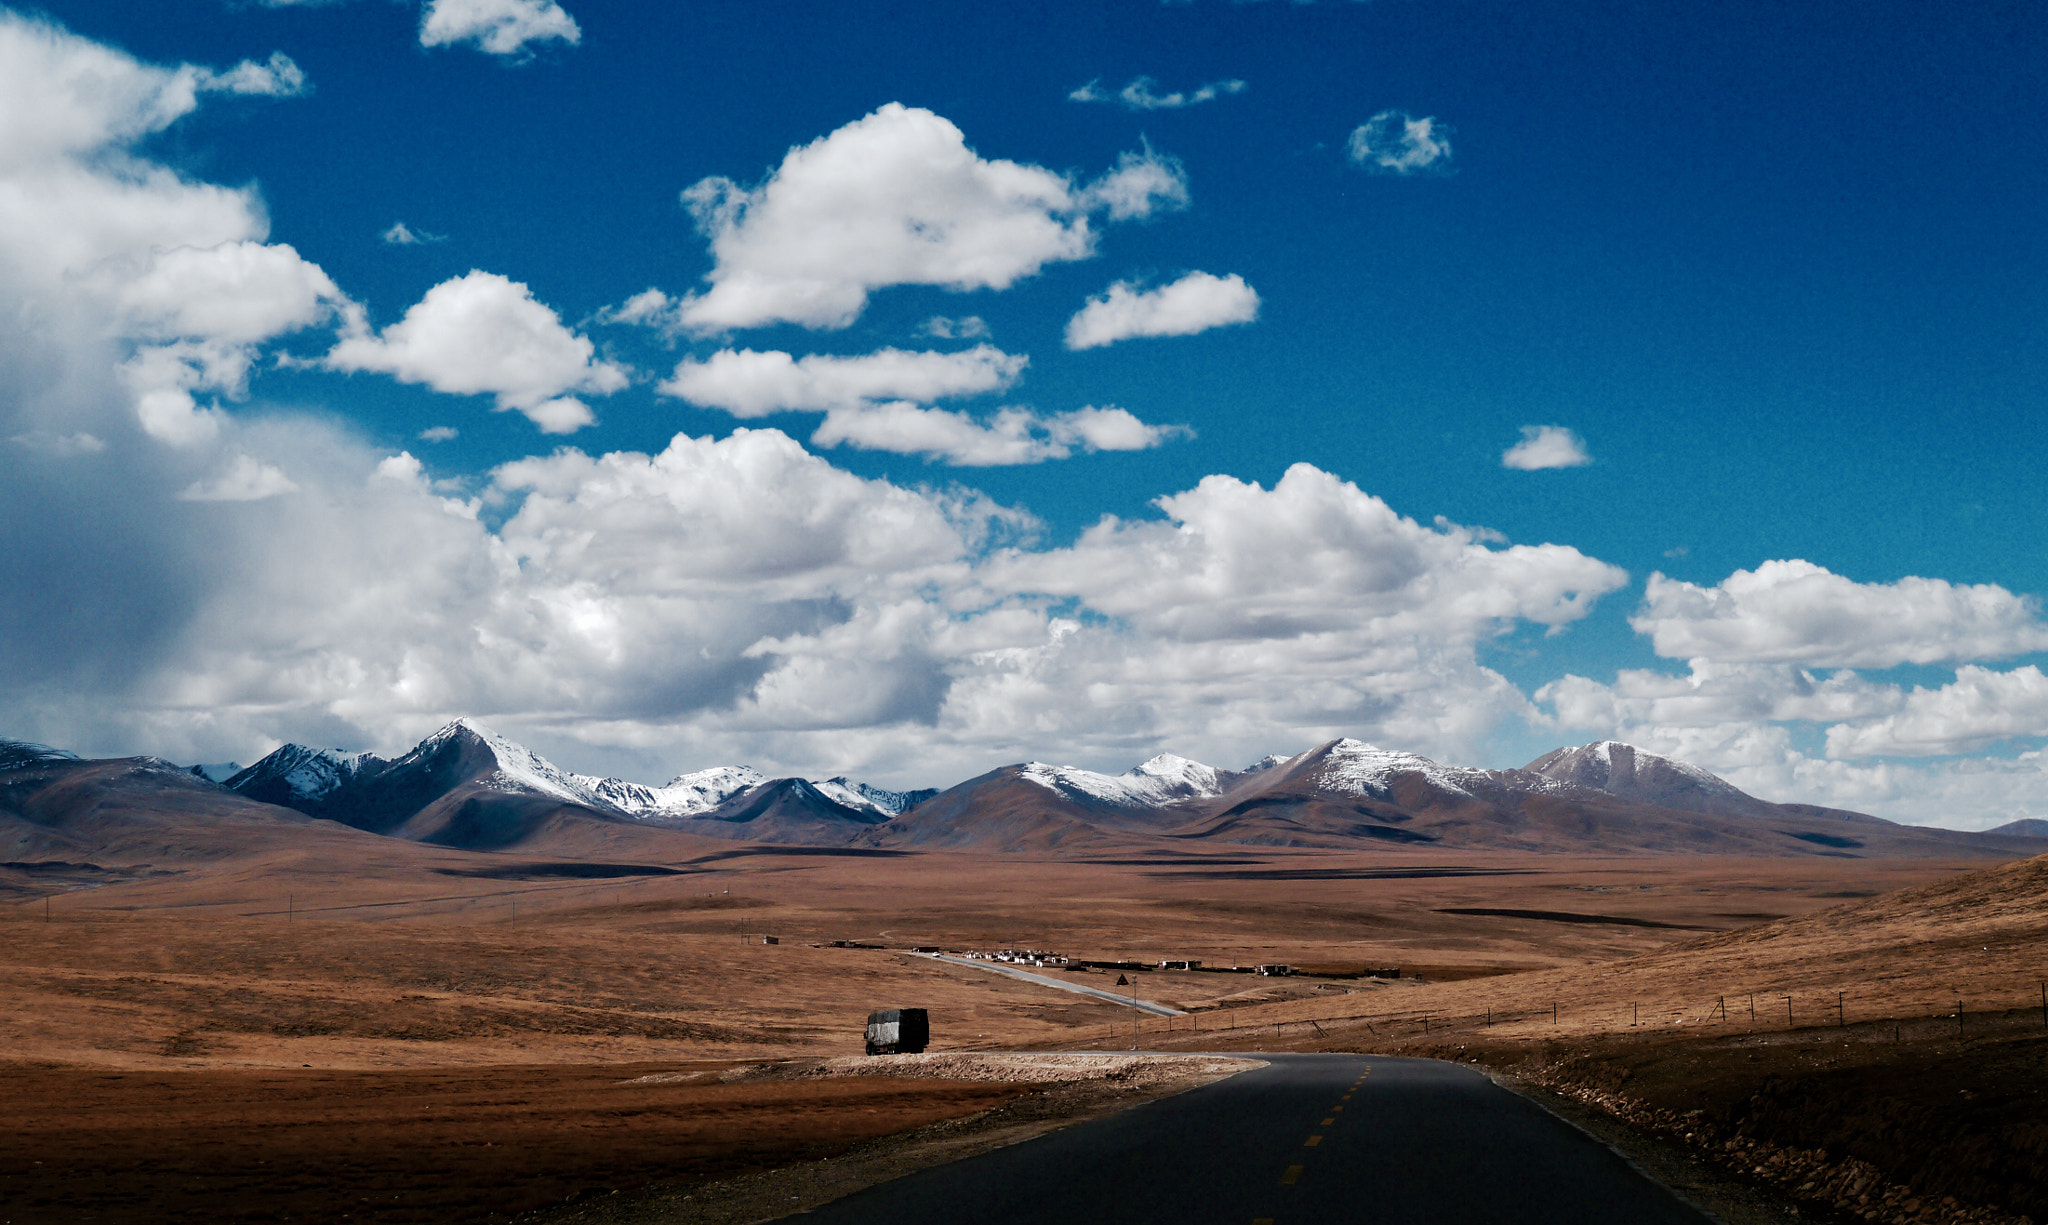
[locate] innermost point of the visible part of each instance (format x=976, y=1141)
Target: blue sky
x=1765, y=279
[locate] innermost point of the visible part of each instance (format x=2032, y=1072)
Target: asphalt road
x=1046, y=980
x=1311, y=1139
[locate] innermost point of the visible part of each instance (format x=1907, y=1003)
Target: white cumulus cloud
x=236, y=293
x=1144, y=182
x=896, y=198
x=1194, y=303
x=485, y=334
x=1752, y=693
x=498, y=27
x=175, y=276
x=246, y=479
x=1546, y=446
x=1978, y=709
x=746, y=383
x=1800, y=613
x=1313, y=554
x=1396, y=142
x=277, y=77
x=1140, y=95
x=872, y=403
x=1009, y=436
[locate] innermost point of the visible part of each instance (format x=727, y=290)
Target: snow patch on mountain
x=1604, y=750
x=868, y=798
x=686, y=795
x=306, y=772
x=1163, y=780
x=1353, y=767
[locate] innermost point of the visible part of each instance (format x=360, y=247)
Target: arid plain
x=429, y=1034
x=484, y=991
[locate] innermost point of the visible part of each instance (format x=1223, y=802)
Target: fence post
x=1959, y=1018
x=1788, y=1012
x=1841, y=1012
x=1553, y=1014
x=2044, y=1001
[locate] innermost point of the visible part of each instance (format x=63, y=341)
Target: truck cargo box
x=898, y=1031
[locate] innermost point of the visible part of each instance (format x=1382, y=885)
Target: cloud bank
x=872, y=403
x=1797, y=612
x=210, y=578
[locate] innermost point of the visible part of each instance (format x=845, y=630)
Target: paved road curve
x=1046, y=980
x=1313, y=1139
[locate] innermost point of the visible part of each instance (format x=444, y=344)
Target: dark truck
x=899, y=1031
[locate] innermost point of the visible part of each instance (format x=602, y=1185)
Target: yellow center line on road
x=1329, y=1122
x=1293, y=1174
x=1313, y=1141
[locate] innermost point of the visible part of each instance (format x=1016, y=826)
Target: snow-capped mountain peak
x=862, y=796
x=306, y=772
x=686, y=795
x=1163, y=780
x=1626, y=771
x=1179, y=772
x=1353, y=767
x=518, y=768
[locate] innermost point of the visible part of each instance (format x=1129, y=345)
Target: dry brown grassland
x=295, y=1038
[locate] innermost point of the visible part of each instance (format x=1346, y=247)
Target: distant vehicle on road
x=899, y=1031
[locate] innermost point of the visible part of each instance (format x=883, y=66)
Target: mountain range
x=1605, y=796
x=467, y=787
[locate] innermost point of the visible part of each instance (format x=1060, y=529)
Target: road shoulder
x=1697, y=1181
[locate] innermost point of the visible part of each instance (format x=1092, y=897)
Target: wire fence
x=1851, y=1016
